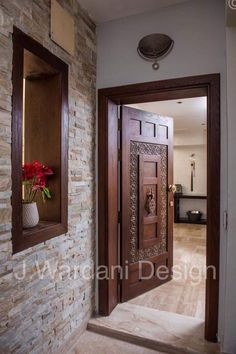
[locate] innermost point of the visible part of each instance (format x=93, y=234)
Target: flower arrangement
x=34, y=179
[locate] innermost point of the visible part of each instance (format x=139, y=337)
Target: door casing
x=108, y=99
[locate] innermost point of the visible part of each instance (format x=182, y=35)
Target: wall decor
x=62, y=27
x=155, y=46
x=192, y=164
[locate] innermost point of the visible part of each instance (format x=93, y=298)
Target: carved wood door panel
x=146, y=203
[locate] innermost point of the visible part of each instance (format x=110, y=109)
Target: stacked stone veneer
x=39, y=315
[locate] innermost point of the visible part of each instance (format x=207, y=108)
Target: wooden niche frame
x=23, y=239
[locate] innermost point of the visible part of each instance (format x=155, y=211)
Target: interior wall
x=230, y=306
x=186, y=144
x=182, y=175
x=188, y=138
x=198, y=30
x=182, y=168
x=38, y=315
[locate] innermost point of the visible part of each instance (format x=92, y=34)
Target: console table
x=177, y=199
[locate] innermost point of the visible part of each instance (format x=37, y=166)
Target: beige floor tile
x=92, y=343
x=169, y=318
x=184, y=296
x=155, y=329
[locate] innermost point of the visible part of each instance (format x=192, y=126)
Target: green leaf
x=25, y=183
x=47, y=193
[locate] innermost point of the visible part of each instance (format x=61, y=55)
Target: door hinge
x=119, y=217
x=118, y=111
x=119, y=154
x=119, y=274
x=119, y=124
x=225, y=220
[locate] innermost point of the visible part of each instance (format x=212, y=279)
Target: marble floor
x=93, y=343
x=170, y=318
x=154, y=329
x=186, y=294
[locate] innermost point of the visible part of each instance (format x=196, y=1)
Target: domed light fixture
x=155, y=46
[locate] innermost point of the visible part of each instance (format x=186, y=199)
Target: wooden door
x=146, y=203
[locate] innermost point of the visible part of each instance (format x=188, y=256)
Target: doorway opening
x=114, y=154
x=185, y=293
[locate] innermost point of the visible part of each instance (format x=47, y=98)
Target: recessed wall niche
x=40, y=132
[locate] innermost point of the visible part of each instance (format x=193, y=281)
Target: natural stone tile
x=5, y=183
x=5, y=216
x=6, y=24
x=37, y=315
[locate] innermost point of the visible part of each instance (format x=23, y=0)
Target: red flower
x=34, y=176
x=47, y=170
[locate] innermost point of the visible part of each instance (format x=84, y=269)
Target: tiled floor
x=92, y=343
x=154, y=329
x=185, y=295
x=169, y=318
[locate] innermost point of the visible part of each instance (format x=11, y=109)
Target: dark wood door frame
x=108, y=99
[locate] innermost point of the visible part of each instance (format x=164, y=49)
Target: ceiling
x=107, y=10
x=189, y=116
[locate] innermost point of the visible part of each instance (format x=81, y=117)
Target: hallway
x=184, y=295
x=169, y=318
x=117, y=127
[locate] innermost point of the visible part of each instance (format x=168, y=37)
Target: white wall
x=182, y=168
x=198, y=29
x=182, y=175
x=190, y=137
x=230, y=307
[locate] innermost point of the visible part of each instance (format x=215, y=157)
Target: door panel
x=147, y=206
x=149, y=202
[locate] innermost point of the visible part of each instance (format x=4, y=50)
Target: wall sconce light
x=155, y=46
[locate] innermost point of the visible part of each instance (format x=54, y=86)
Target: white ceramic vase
x=30, y=215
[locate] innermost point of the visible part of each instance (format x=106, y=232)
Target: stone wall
x=38, y=315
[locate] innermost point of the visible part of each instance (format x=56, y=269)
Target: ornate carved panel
x=138, y=252
x=149, y=185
